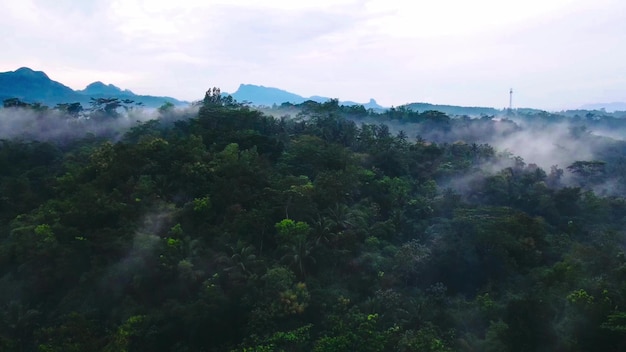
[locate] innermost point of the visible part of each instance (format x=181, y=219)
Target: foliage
x=233, y=230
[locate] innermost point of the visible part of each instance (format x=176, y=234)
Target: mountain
x=268, y=96
x=36, y=87
x=260, y=95
x=372, y=104
x=101, y=90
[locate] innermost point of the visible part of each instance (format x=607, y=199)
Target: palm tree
x=347, y=222
x=299, y=255
x=243, y=260
x=321, y=230
x=345, y=218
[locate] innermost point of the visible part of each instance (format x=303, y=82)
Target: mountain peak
x=100, y=85
x=32, y=86
x=99, y=88
x=30, y=73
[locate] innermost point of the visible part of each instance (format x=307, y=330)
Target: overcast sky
x=555, y=54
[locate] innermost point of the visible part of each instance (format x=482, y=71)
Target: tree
x=108, y=107
x=166, y=107
x=14, y=103
x=72, y=109
x=587, y=168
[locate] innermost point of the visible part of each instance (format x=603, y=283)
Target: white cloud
x=557, y=53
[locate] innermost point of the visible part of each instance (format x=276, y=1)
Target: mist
x=56, y=126
x=404, y=220
x=535, y=138
x=143, y=253
x=550, y=141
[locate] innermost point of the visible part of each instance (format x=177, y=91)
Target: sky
x=554, y=54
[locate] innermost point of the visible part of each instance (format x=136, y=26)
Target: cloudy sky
x=555, y=54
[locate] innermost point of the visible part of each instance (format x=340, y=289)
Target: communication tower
x=511, y=99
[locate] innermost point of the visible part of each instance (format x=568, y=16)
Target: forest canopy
x=309, y=227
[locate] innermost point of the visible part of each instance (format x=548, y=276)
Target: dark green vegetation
x=236, y=231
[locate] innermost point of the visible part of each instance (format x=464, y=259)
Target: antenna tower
x=511, y=99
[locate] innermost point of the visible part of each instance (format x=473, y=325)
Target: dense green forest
x=223, y=228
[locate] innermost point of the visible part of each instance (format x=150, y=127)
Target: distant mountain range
x=454, y=110
x=268, y=96
x=608, y=107
x=36, y=87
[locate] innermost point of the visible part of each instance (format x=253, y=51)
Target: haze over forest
x=314, y=226
x=344, y=175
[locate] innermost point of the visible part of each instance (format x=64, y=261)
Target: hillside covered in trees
x=223, y=228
